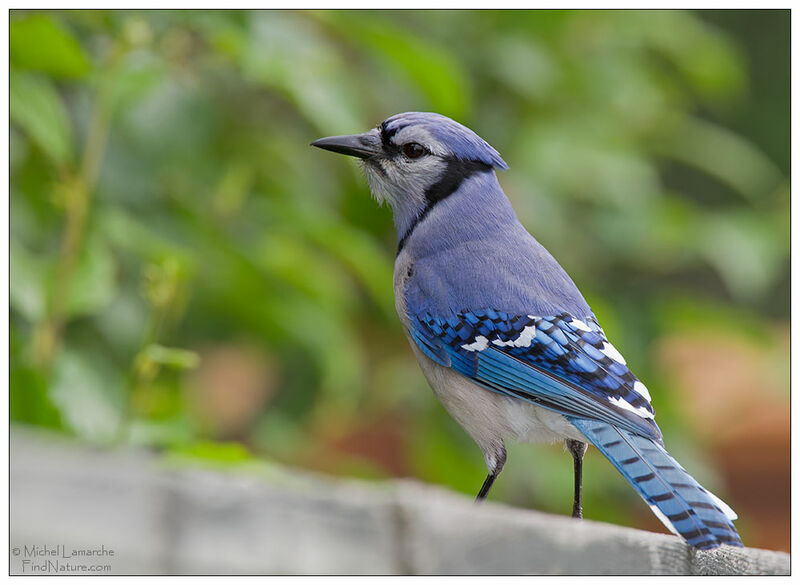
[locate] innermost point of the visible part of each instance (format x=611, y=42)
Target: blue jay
x=501, y=332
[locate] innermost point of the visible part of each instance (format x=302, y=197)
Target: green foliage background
x=165, y=203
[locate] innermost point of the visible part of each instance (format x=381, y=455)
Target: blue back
x=506, y=268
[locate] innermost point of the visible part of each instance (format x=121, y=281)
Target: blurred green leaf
x=133, y=78
x=709, y=60
x=213, y=453
x=287, y=258
x=161, y=432
x=743, y=250
x=681, y=313
x=169, y=356
x=28, y=398
x=524, y=65
x=712, y=149
x=28, y=282
x=357, y=251
x=428, y=66
x=37, y=108
x=286, y=53
x=93, y=281
x=38, y=42
x=88, y=396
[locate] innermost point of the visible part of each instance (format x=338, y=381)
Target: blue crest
x=462, y=142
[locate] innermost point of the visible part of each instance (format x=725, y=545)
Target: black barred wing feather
x=560, y=362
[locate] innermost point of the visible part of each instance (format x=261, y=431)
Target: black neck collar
x=457, y=170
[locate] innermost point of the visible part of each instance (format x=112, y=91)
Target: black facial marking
x=456, y=171
x=386, y=138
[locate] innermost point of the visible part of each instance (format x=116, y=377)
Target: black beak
x=359, y=145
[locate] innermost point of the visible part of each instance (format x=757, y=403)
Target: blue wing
x=559, y=362
x=567, y=365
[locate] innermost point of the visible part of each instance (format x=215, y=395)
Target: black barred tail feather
x=682, y=504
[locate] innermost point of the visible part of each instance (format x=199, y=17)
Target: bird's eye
x=413, y=150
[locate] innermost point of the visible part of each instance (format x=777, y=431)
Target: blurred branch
x=77, y=192
x=162, y=287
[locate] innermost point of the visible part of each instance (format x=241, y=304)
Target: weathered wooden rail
x=168, y=519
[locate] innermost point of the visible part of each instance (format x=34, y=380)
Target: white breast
x=489, y=417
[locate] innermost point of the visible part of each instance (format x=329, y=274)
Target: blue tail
x=682, y=504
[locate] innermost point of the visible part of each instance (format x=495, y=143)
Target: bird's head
x=415, y=158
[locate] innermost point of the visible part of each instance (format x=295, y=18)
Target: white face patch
x=378, y=185
x=401, y=181
x=612, y=352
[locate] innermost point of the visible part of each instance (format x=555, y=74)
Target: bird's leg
x=494, y=461
x=577, y=449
